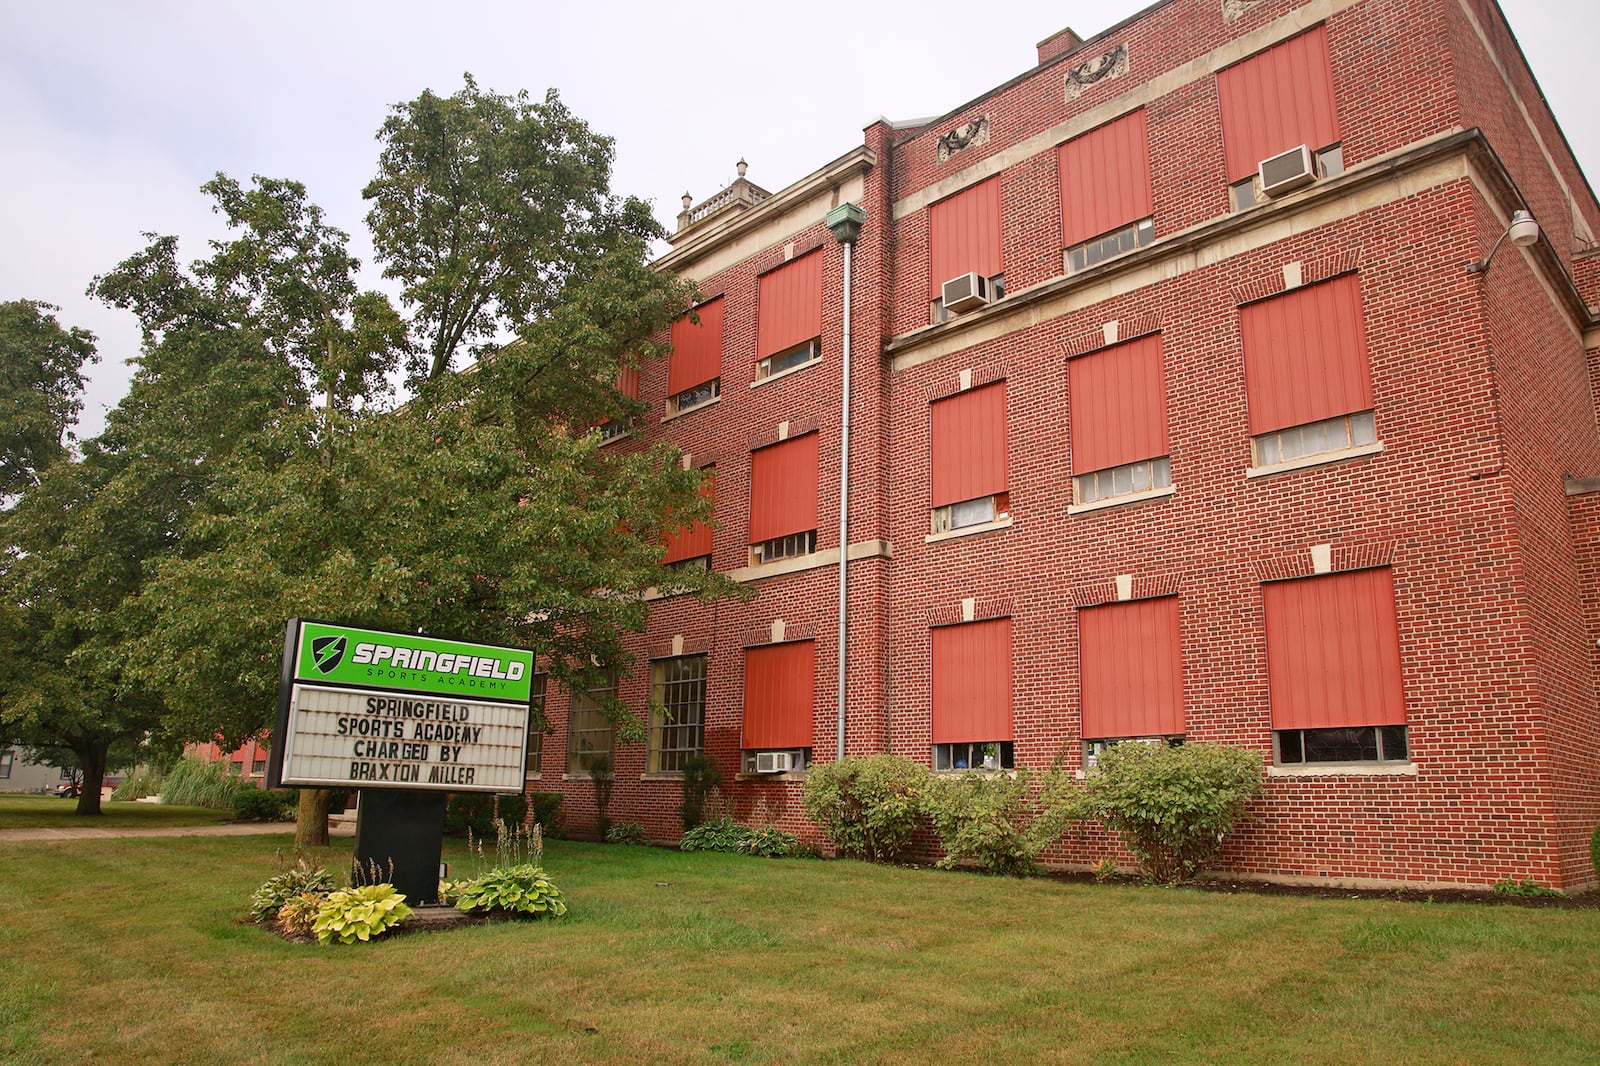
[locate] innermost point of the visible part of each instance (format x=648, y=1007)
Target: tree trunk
x=311, y=820
x=92, y=760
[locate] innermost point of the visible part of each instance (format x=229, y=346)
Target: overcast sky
x=113, y=113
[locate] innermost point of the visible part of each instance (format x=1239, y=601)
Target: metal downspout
x=845, y=222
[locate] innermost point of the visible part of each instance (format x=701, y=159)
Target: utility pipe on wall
x=845, y=222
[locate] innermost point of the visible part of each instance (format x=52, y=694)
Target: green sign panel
x=370, y=658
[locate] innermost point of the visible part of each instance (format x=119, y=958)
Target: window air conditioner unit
x=1286, y=172
x=774, y=762
x=966, y=293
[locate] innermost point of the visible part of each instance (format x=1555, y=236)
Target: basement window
x=976, y=755
x=1351, y=744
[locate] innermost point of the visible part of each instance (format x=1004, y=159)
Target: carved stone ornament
x=1114, y=64
x=1233, y=10
x=974, y=132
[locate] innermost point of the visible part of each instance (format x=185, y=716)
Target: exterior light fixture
x=1523, y=231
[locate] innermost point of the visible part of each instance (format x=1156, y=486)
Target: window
x=591, y=735
x=7, y=758
x=698, y=396
x=1386, y=743
x=258, y=766
x=1117, y=422
x=536, y=725
x=1315, y=438
x=1275, y=101
x=1093, y=749
x=1130, y=669
x=1105, y=191
x=971, y=683
x=677, y=711
x=994, y=755
x=964, y=238
x=1333, y=668
x=1134, y=235
x=970, y=480
x=690, y=547
x=794, y=358
x=1305, y=363
x=627, y=384
x=788, y=547
x=694, y=371
x=779, y=690
x=1247, y=192
x=789, y=316
x=783, y=499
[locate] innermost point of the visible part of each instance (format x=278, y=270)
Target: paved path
x=238, y=829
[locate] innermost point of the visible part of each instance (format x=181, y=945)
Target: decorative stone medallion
x=974, y=132
x=1114, y=64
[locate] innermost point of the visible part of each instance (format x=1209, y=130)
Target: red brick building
x=1223, y=436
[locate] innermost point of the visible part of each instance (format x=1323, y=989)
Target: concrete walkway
x=236, y=829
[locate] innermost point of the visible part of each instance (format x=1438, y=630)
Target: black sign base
x=400, y=834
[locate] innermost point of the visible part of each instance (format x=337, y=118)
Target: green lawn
x=21, y=811
x=132, y=951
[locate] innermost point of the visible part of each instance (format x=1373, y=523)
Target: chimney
x=1058, y=44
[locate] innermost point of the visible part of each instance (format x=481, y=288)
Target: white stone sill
x=1405, y=769
x=1320, y=459
x=791, y=775
x=968, y=531
x=1122, y=501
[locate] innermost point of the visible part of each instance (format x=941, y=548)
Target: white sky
x=113, y=113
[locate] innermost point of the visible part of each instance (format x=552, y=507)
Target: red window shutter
x=964, y=235
x=1105, y=179
x=972, y=682
x=628, y=382
x=789, y=305
x=1130, y=665
x=1305, y=355
x=1118, y=405
x=778, y=689
x=693, y=541
x=1333, y=651
x=1276, y=100
x=783, y=489
x=696, y=349
x=969, y=445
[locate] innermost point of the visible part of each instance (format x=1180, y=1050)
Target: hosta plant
x=300, y=878
x=520, y=890
x=298, y=915
x=360, y=913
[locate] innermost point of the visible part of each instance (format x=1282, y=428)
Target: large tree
x=488, y=209
x=41, y=387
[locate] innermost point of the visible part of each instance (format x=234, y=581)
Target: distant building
x=1182, y=407
x=18, y=774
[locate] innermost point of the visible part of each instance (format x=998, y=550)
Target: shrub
x=523, y=890
x=700, y=776
x=139, y=784
x=868, y=806
x=251, y=804
x=1172, y=807
x=299, y=879
x=474, y=813
x=602, y=775
x=195, y=782
x=360, y=913
x=725, y=834
x=546, y=811
x=998, y=823
x=626, y=833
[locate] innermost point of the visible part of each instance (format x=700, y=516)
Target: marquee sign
x=373, y=709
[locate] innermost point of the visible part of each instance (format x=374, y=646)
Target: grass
x=19, y=811
x=132, y=951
